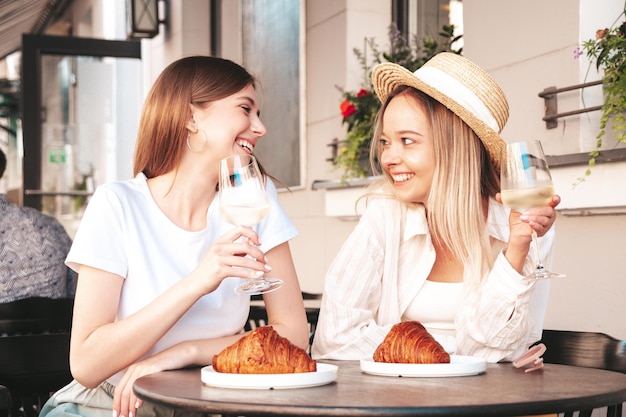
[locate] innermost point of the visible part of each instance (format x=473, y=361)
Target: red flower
x=347, y=108
x=601, y=33
x=362, y=93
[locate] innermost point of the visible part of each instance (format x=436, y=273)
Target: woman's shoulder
x=382, y=213
x=380, y=197
x=121, y=195
x=124, y=189
x=270, y=186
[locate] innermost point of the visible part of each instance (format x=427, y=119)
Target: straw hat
x=461, y=86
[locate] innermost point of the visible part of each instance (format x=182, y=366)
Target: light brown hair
x=196, y=80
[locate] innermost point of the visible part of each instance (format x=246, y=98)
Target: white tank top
x=435, y=306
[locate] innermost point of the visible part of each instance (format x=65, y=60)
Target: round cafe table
x=501, y=391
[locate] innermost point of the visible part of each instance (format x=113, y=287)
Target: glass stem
x=539, y=263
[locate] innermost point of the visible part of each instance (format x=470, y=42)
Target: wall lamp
x=143, y=18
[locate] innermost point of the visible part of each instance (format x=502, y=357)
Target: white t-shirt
x=123, y=231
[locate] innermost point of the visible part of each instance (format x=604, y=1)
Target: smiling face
x=407, y=155
x=168, y=119
x=232, y=124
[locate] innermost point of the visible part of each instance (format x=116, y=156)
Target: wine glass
x=243, y=201
x=525, y=183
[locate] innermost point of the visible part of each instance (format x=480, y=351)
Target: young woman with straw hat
x=435, y=244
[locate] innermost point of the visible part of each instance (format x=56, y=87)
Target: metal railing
x=551, y=113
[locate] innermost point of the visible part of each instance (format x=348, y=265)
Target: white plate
x=458, y=366
x=325, y=374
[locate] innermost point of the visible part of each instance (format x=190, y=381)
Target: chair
x=586, y=349
x=312, y=314
x=258, y=315
x=34, y=353
x=256, y=318
x=5, y=401
x=36, y=315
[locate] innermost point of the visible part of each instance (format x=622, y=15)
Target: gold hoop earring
x=204, y=144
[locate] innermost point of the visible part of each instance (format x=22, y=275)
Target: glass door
x=81, y=105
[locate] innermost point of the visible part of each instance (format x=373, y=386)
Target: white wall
x=523, y=47
x=333, y=29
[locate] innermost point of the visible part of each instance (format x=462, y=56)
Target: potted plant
x=359, y=108
x=608, y=50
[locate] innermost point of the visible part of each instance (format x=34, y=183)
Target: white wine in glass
x=525, y=183
x=244, y=215
x=244, y=201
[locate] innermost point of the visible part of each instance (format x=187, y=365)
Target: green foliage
x=608, y=50
x=359, y=108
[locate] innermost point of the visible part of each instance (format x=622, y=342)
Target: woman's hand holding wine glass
x=526, y=183
x=243, y=201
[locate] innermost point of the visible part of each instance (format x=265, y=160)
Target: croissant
x=410, y=342
x=263, y=351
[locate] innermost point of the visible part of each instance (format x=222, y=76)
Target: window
x=271, y=50
x=426, y=17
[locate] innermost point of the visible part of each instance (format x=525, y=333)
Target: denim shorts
x=74, y=400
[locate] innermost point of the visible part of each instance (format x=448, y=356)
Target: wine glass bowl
x=244, y=202
x=525, y=183
x=525, y=179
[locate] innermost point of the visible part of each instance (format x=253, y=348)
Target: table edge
x=510, y=409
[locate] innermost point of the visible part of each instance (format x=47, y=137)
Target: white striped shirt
x=384, y=263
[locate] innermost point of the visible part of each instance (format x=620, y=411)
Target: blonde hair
x=463, y=182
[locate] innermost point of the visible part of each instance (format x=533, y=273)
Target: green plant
x=608, y=50
x=359, y=108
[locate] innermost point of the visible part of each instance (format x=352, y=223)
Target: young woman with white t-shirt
x=153, y=254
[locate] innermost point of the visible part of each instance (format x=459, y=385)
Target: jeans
x=74, y=400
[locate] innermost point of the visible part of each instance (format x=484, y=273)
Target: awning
x=25, y=16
